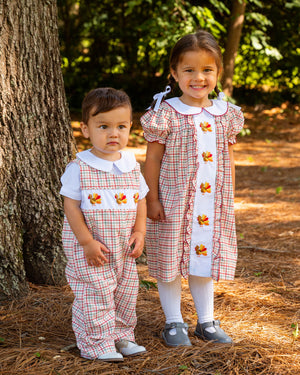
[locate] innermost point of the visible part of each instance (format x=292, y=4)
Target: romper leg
x=93, y=309
x=125, y=300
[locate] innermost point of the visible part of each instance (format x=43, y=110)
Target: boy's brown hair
x=103, y=100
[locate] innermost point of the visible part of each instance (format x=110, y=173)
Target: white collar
x=125, y=164
x=218, y=107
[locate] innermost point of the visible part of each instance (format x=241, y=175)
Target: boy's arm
x=155, y=152
x=232, y=165
x=139, y=230
x=93, y=249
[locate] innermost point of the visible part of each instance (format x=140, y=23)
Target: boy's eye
x=103, y=126
x=122, y=126
x=188, y=70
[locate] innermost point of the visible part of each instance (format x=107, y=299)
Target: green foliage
x=127, y=44
x=296, y=330
x=244, y=132
x=148, y=284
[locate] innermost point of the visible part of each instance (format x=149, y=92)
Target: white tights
x=202, y=290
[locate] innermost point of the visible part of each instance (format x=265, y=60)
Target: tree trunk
x=232, y=44
x=36, y=142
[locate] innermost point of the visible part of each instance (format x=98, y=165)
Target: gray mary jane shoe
x=219, y=336
x=176, y=334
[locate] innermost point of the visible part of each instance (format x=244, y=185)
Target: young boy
x=104, y=227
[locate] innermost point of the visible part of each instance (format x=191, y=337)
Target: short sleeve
x=156, y=125
x=236, y=124
x=71, y=182
x=143, y=191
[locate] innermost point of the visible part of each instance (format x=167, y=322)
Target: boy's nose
x=114, y=132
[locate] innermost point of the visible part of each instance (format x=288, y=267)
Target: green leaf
x=148, y=284
x=279, y=189
x=296, y=330
x=245, y=132
x=183, y=367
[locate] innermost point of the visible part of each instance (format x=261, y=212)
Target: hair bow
x=159, y=97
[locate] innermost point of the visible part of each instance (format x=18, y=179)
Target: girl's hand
x=137, y=238
x=93, y=252
x=155, y=210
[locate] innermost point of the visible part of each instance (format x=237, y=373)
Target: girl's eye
x=188, y=70
x=122, y=126
x=103, y=126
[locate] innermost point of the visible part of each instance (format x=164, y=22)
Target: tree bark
x=232, y=44
x=36, y=142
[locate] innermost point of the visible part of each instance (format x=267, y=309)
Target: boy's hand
x=93, y=252
x=155, y=210
x=137, y=238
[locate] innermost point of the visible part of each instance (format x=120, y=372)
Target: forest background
x=126, y=44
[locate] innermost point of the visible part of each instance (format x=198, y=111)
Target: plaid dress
x=169, y=243
x=104, y=308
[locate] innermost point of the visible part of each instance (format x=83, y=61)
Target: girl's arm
x=139, y=230
x=93, y=249
x=155, y=152
x=231, y=156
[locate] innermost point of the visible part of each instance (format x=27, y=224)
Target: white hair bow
x=159, y=97
x=221, y=95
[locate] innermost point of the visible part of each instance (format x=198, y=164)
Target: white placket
x=202, y=235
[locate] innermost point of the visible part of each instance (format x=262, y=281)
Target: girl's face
x=197, y=76
x=108, y=132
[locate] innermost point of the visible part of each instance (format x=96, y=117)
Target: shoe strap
x=176, y=325
x=214, y=323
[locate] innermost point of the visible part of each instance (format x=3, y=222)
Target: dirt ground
x=260, y=309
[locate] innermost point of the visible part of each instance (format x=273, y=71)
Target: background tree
x=232, y=44
x=35, y=145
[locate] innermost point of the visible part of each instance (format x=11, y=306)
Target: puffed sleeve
x=236, y=124
x=156, y=125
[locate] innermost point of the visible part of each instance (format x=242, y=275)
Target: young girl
x=105, y=221
x=190, y=173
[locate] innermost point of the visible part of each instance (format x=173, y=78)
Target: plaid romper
x=104, y=308
x=169, y=243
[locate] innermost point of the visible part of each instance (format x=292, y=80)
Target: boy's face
x=108, y=132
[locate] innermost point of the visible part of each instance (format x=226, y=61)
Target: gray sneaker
x=219, y=336
x=176, y=334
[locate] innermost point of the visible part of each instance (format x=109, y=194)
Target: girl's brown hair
x=103, y=100
x=193, y=42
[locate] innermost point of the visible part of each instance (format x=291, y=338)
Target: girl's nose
x=199, y=76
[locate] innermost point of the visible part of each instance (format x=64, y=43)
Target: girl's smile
x=197, y=74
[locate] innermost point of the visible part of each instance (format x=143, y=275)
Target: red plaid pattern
x=104, y=308
x=168, y=243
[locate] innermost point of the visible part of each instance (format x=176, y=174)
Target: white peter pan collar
x=218, y=107
x=125, y=164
